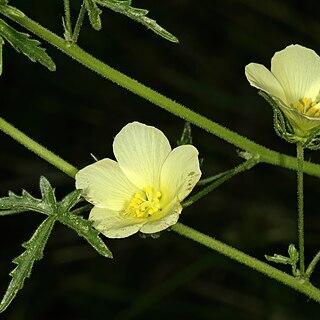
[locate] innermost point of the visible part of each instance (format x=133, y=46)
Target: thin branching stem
x=205, y=181
x=300, y=206
x=312, y=265
x=231, y=173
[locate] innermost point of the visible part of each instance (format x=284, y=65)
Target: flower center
x=144, y=204
x=307, y=107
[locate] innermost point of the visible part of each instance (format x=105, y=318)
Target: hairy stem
x=231, y=173
x=74, y=51
x=300, y=206
x=312, y=265
x=303, y=286
x=38, y=149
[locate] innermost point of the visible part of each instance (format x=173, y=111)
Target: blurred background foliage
x=74, y=112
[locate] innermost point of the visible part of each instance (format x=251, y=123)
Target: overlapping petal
x=298, y=71
x=141, y=151
x=172, y=212
x=180, y=173
x=261, y=78
x=113, y=224
x=105, y=185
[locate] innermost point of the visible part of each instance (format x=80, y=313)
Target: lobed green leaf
x=11, y=11
x=22, y=42
x=94, y=14
x=85, y=230
x=34, y=251
x=69, y=201
x=25, y=202
x=60, y=210
x=137, y=14
x=48, y=195
x=278, y=258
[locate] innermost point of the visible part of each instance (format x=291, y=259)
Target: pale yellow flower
x=293, y=83
x=143, y=190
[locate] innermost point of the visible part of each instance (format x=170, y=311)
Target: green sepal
x=139, y=15
x=313, y=141
x=286, y=129
x=281, y=124
x=34, y=251
x=22, y=42
x=93, y=13
x=186, y=136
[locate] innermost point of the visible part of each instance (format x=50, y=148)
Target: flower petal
x=174, y=209
x=298, y=70
x=141, y=151
x=113, y=224
x=105, y=185
x=260, y=77
x=179, y=173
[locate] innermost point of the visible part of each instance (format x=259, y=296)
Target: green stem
x=67, y=16
x=79, y=22
x=266, y=155
x=38, y=149
x=298, y=284
x=208, y=180
x=312, y=265
x=242, y=167
x=300, y=206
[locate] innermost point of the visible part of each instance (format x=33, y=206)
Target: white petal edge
x=180, y=173
x=174, y=209
x=141, y=151
x=113, y=224
x=298, y=70
x=105, y=185
x=261, y=78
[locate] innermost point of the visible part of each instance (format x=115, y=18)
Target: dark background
x=74, y=112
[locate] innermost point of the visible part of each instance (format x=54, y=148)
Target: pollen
x=144, y=204
x=307, y=107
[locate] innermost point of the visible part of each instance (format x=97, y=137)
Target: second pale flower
x=294, y=84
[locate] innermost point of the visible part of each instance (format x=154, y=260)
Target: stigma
x=144, y=203
x=307, y=107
